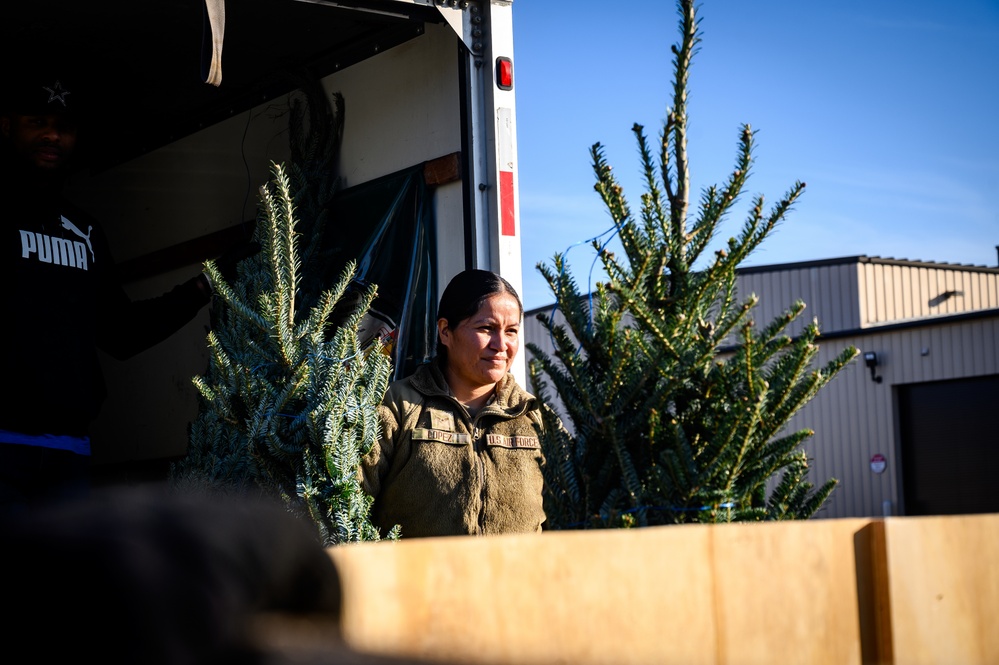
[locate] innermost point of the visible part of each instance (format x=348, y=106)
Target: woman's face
x=481, y=348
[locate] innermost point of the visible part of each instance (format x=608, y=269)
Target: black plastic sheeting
x=387, y=226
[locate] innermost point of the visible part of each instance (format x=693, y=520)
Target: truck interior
x=144, y=63
x=164, y=171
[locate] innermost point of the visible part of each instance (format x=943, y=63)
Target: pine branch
x=288, y=404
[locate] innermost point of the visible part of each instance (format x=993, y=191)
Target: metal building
x=909, y=428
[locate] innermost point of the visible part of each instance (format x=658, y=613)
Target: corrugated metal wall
x=860, y=292
x=534, y=332
x=828, y=291
x=853, y=417
x=890, y=292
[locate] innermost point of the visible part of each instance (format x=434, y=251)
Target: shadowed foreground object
x=145, y=576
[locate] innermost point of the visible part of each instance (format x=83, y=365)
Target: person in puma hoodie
x=61, y=301
x=459, y=452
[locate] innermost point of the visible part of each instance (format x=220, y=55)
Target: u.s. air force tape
x=504, y=441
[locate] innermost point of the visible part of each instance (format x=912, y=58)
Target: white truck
x=176, y=161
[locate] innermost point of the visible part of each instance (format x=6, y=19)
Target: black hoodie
x=60, y=301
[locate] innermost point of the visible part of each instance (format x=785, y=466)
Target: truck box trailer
x=175, y=158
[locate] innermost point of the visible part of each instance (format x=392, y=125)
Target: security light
x=871, y=360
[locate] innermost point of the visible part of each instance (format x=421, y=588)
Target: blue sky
x=887, y=109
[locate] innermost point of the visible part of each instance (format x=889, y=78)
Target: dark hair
x=465, y=294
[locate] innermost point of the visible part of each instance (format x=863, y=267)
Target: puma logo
x=66, y=224
x=58, y=251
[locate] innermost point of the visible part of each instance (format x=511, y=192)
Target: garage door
x=950, y=446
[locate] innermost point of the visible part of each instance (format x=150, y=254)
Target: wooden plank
x=943, y=588
x=787, y=592
x=442, y=170
x=723, y=594
x=642, y=596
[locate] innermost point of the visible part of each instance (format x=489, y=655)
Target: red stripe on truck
x=508, y=224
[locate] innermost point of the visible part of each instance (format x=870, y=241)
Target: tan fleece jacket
x=436, y=471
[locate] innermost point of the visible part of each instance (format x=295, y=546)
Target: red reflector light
x=504, y=73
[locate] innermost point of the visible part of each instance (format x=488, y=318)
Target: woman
x=459, y=451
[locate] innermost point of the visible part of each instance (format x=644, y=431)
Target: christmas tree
x=289, y=400
x=676, y=401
